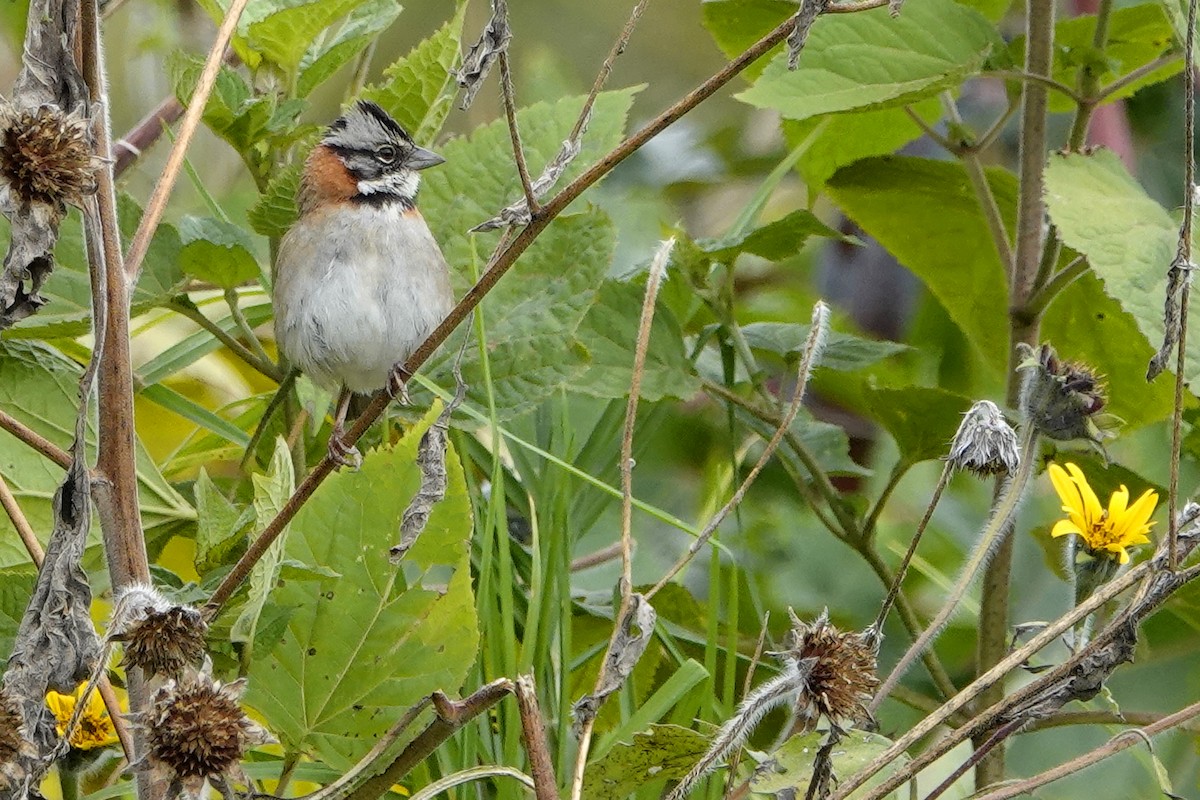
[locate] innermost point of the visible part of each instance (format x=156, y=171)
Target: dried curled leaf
x=517, y=213
x=633, y=634
x=483, y=54
x=805, y=17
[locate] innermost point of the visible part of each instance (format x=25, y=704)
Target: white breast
x=358, y=288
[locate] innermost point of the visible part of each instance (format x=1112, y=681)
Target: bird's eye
x=386, y=154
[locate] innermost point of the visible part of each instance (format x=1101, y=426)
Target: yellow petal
x=1118, y=503
x=1091, y=504
x=1065, y=527
x=1068, y=492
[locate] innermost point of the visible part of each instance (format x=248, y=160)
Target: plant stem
x=266, y=367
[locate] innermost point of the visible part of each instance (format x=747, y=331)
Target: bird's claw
x=341, y=453
x=397, y=384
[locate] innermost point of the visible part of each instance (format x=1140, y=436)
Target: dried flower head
x=11, y=724
x=985, y=443
x=196, y=731
x=95, y=728
x=46, y=155
x=1061, y=398
x=841, y=678
x=160, y=637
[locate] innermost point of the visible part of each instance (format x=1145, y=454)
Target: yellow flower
x=1113, y=529
x=95, y=728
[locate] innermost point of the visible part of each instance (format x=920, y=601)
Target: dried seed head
x=196, y=730
x=842, y=677
x=12, y=743
x=46, y=155
x=160, y=637
x=985, y=443
x=1061, y=398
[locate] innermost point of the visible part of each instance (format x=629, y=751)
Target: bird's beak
x=420, y=158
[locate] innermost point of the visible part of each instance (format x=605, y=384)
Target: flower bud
x=1061, y=398
x=985, y=443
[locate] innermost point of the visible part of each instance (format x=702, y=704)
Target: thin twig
x=1121, y=741
x=187, y=129
x=618, y=48
x=1136, y=75
x=533, y=735
x=997, y=127
x=653, y=281
x=514, y=133
x=239, y=319
x=928, y=130
x=1032, y=77
x=983, y=190
x=1044, y=295
x=594, y=559
x=145, y=133
x=747, y=687
x=812, y=351
x=266, y=367
x=35, y=440
x=501, y=261
x=28, y=538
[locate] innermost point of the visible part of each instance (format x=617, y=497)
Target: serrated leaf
x=418, y=90
x=662, y=752
x=40, y=388
x=324, y=58
x=283, y=35
x=219, y=524
x=360, y=649
x=1128, y=238
x=925, y=213
x=271, y=491
x=737, y=24
x=233, y=111
x=933, y=45
x=922, y=420
x=216, y=251
x=276, y=209
x=842, y=351
x=609, y=332
x=791, y=766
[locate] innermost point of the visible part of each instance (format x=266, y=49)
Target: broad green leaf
x=418, y=90
x=1128, y=238
x=276, y=209
x=870, y=60
x=233, y=111
x=69, y=291
x=662, y=752
x=846, y=138
x=216, y=251
x=219, y=523
x=1137, y=35
x=774, y=241
x=16, y=588
x=737, y=24
x=609, y=331
x=791, y=766
x=283, y=36
x=40, y=388
x=921, y=420
x=842, y=350
x=926, y=214
x=271, y=491
x=360, y=649
x=323, y=58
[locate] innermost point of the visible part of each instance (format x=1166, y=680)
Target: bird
x=360, y=280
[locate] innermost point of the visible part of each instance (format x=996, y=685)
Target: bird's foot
x=397, y=384
x=341, y=452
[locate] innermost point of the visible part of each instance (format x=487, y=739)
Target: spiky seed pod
x=164, y=642
x=1061, y=398
x=196, y=730
x=985, y=443
x=46, y=155
x=842, y=678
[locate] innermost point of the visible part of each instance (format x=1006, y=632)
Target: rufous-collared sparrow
x=359, y=280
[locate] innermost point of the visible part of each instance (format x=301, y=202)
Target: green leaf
x=323, y=58
x=219, y=524
x=283, y=36
x=846, y=138
x=276, y=209
x=921, y=420
x=791, y=766
x=16, y=588
x=775, y=241
x=40, y=388
x=216, y=251
x=418, y=90
x=662, y=752
x=1129, y=241
x=360, y=649
x=609, y=331
x=233, y=111
x=869, y=60
x=842, y=350
x=1137, y=35
x=926, y=214
x=193, y=347
x=271, y=491
x=737, y=24
x=826, y=443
